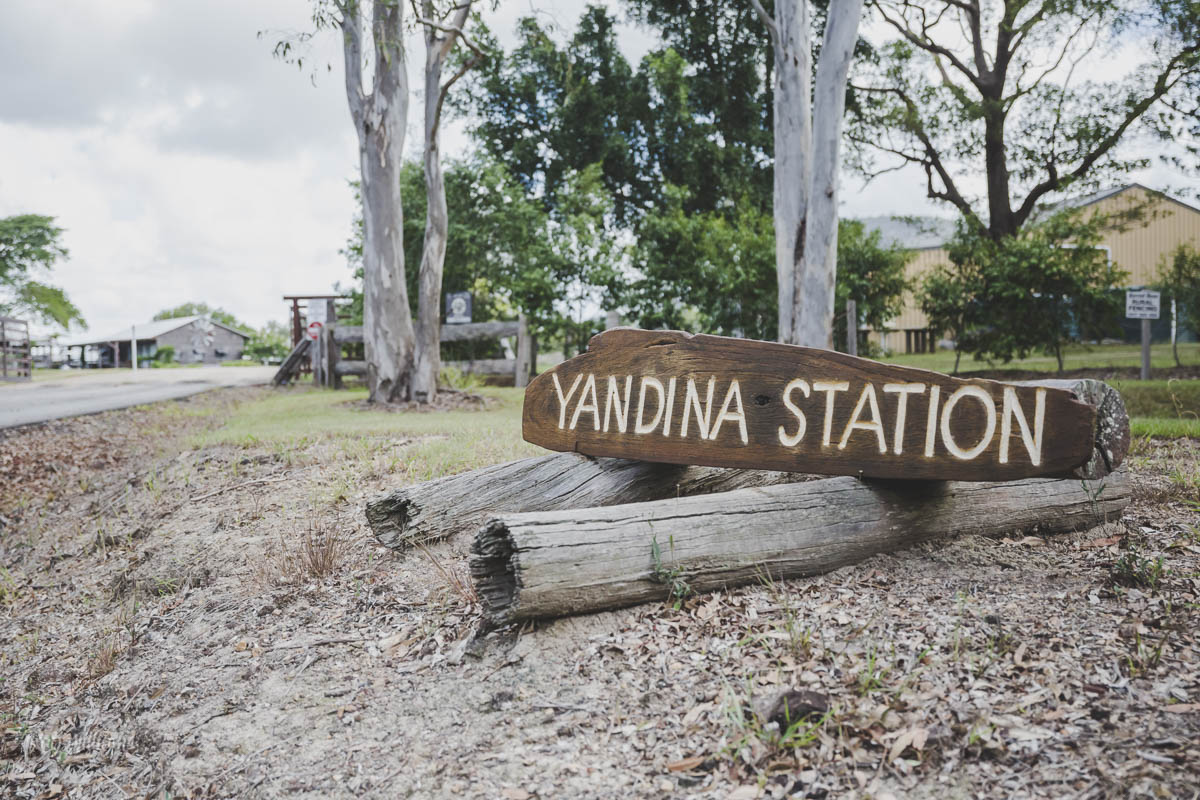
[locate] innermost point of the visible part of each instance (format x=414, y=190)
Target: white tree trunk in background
x=379, y=119
x=439, y=42
x=816, y=268
x=793, y=145
x=807, y=147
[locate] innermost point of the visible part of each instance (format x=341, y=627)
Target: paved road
x=103, y=390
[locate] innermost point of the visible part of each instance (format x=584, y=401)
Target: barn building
x=1137, y=249
x=195, y=340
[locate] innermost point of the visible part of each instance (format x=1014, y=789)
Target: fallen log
x=437, y=509
x=550, y=564
x=440, y=508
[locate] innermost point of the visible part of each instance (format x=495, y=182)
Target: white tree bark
x=807, y=144
x=793, y=144
x=439, y=42
x=379, y=119
x=816, y=268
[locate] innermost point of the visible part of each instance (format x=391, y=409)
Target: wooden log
x=440, y=508
x=350, y=367
x=486, y=366
x=448, y=333
x=479, y=330
x=695, y=399
x=548, y=564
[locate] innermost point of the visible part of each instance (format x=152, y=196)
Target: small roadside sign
x=1142, y=304
x=458, y=308
x=314, y=330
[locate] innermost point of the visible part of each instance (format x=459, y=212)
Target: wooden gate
x=15, y=362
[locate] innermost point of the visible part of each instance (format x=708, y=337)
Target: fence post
x=524, y=353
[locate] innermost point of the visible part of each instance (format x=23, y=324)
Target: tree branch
x=351, y=25
x=767, y=21
x=1163, y=84
x=922, y=42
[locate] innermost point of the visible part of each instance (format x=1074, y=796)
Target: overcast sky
x=186, y=164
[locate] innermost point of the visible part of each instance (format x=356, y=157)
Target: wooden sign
x=673, y=397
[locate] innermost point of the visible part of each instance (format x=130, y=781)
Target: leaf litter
x=215, y=623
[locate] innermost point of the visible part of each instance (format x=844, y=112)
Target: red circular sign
x=314, y=330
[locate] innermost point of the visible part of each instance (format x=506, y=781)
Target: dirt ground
x=216, y=621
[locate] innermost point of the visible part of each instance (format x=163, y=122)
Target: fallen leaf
x=1094, y=543
x=1182, y=708
x=685, y=764
x=515, y=794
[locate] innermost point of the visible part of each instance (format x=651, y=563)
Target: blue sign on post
x=458, y=308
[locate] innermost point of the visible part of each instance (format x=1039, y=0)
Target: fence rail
x=16, y=363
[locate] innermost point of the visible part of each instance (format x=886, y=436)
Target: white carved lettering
x=982, y=395
x=614, y=399
x=903, y=390
x=830, y=388
x=935, y=393
x=734, y=393
x=692, y=400
x=563, y=400
x=594, y=406
x=802, y=423
x=639, y=426
x=670, y=406
x=1012, y=407
x=876, y=423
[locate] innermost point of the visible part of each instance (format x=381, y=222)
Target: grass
x=1165, y=428
x=1076, y=357
x=446, y=442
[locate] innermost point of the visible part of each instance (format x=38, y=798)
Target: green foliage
x=715, y=271
x=1179, y=279
x=273, y=341
x=29, y=246
x=704, y=271
x=164, y=354
x=202, y=309
x=1039, y=289
x=673, y=577
x=870, y=274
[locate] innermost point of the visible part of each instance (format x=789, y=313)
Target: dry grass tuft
x=312, y=555
x=454, y=576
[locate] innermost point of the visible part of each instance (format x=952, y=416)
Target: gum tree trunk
x=379, y=119
x=439, y=42
x=807, y=156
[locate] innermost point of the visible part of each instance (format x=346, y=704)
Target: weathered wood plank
x=486, y=366
x=350, y=367
x=673, y=397
x=449, y=333
x=479, y=330
x=548, y=564
x=440, y=508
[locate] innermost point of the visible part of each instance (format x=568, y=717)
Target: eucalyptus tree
x=379, y=116
x=443, y=28
x=808, y=131
x=1014, y=91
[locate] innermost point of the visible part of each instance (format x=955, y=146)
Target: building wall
x=201, y=343
x=1138, y=250
x=1141, y=248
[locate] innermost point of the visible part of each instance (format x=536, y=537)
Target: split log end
x=389, y=516
x=494, y=571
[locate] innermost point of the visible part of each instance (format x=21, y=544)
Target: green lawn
x=443, y=442
x=1076, y=357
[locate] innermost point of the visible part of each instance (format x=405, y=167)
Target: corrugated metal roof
x=145, y=330
x=915, y=233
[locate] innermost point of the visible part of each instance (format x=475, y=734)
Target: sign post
x=676, y=398
x=1143, y=304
